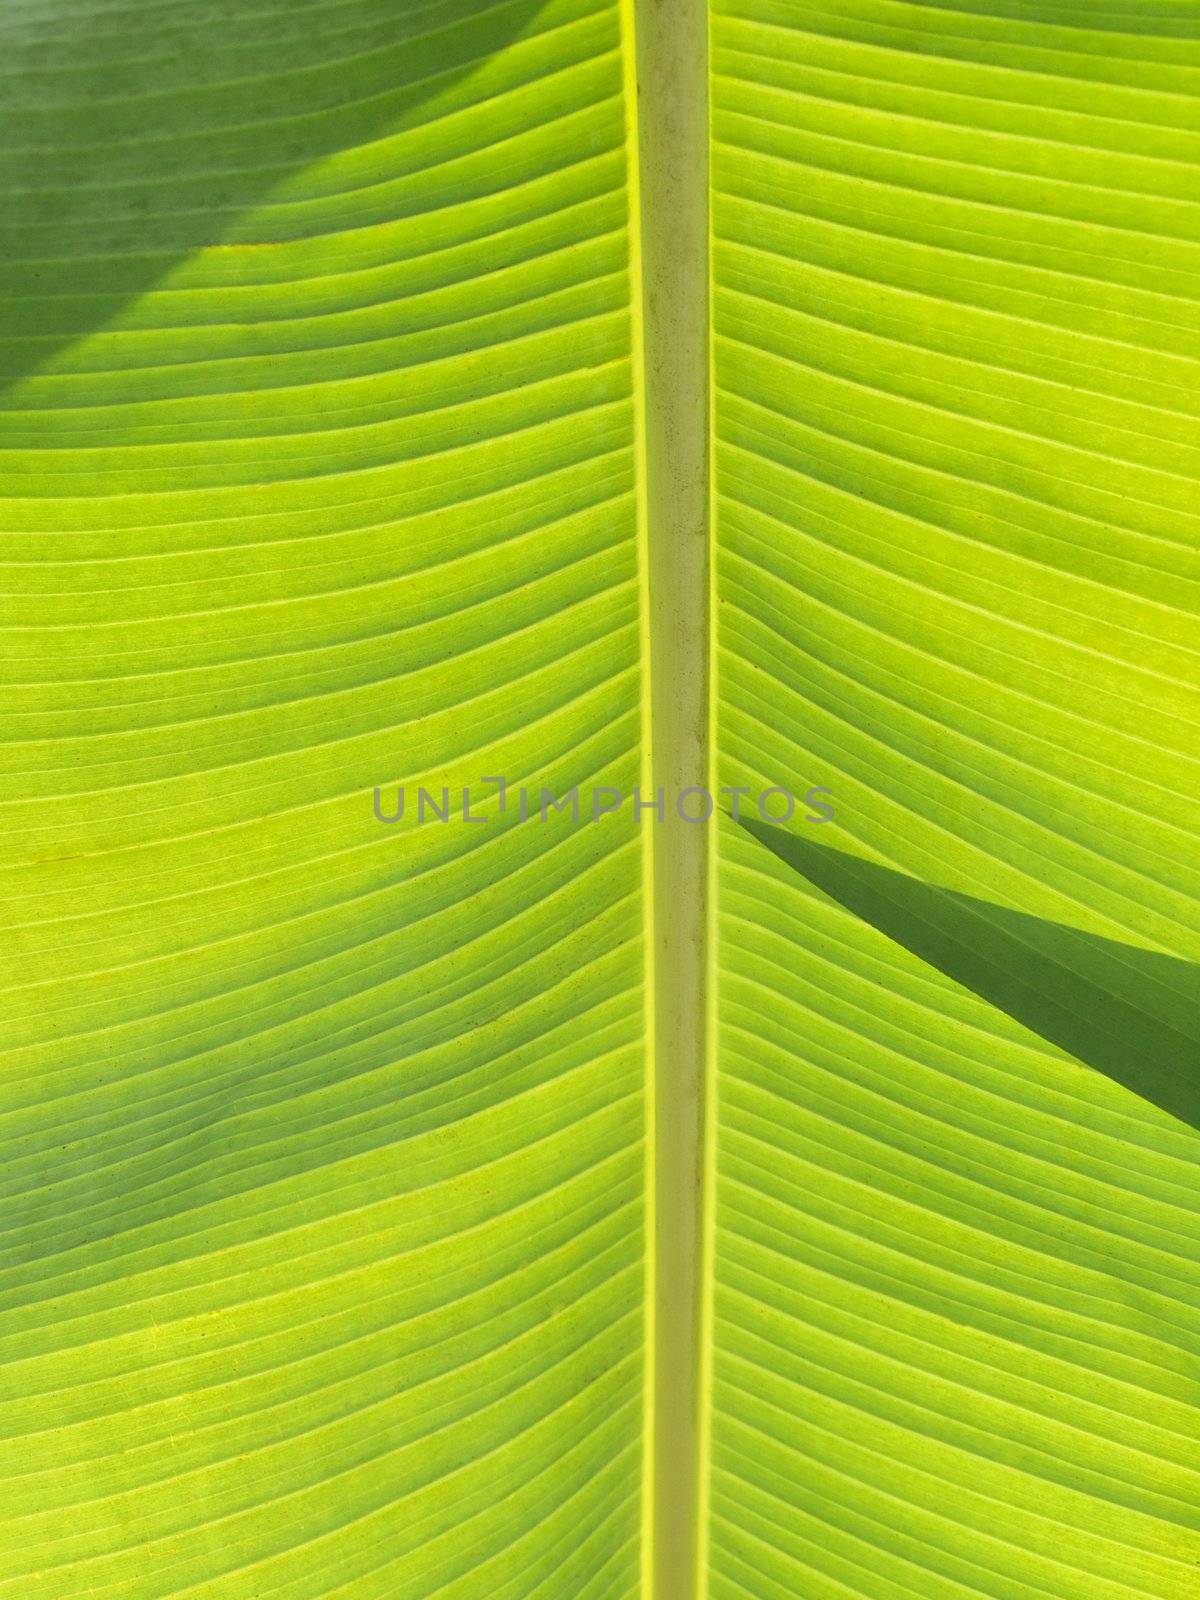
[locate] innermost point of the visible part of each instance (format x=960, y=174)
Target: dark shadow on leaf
x=132, y=136
x=1132, y=1014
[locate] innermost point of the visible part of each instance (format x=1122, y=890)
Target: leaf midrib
x=667, y=96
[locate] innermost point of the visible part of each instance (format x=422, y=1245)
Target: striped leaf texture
x=957, y=1263
x=323, y=1260
x=411, y=1189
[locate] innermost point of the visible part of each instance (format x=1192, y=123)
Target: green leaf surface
x=957, y=1243
x=547, y=1208
x=323, y=1268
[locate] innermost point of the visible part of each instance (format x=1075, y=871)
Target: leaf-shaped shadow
x=1132, y=1014
x=131, y=137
